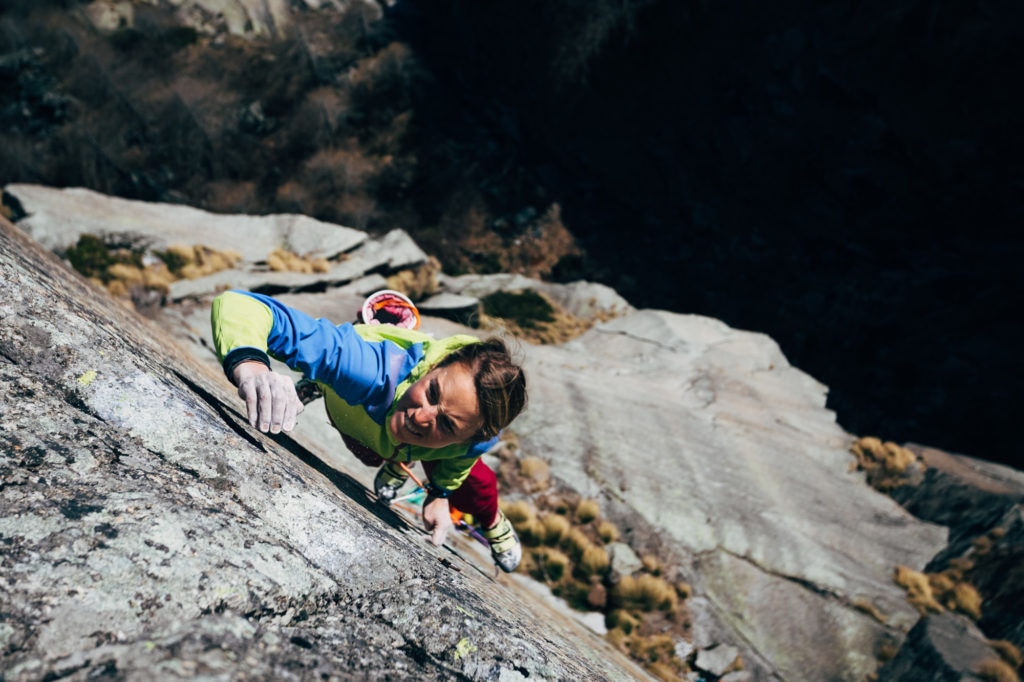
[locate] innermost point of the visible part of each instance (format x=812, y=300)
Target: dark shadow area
x=844, y=177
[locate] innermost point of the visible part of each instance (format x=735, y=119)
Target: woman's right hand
x=270, y=398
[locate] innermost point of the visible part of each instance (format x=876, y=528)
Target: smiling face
x=438, y=410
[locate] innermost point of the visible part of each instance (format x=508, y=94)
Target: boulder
x=56, y=218
x=942, y=648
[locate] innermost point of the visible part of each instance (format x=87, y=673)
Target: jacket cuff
x=434, y=491
x=240, y=355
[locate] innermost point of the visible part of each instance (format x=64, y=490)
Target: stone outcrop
x=700, y=441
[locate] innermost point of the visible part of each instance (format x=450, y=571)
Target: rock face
x=147, y=528
x=147, y=534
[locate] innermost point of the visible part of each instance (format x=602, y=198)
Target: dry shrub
x=535, y=251
x=576, y=593
x=967, y=600
x=576, y=542
x=198, y=261
x=536, y=471
x=518, y=511
x=663, y=671
x=281, y=260
x=684, y=590
x=556, y=528
x=941, y=584
x=654, y=648
x=608, y=532
x=1007, y=651
x=381, y=84
x=418, y=282
x=646, y=593
x=587, y=511
x=919, y=591
x=127, y=274
x=528, y=565
x=618, y=638
x=996, y=670
x=551, y=327
x=523, y=516
x=622, y=620
x=552, y=565
x=652, y=564
x=886, y=464
x=594, y=561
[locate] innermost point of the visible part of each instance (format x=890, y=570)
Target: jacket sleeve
x=361, y=372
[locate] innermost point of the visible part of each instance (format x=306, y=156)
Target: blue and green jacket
x=362, y=370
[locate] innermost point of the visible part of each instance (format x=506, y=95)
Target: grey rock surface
x=707, y=443
x=701, y=441
x=149, y=534
x=56, y=218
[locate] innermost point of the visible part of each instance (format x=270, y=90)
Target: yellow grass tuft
x=518, y=511
x=594, y=561
x=622, y=620
x=531, y=532
x=919, y=591
x=996, y=670
x=556, y=528
x=653, y=649
x=1007, y=651
x=537, y=470
x=587, y=510
x=646, y=593
x=941, y=583
x=967, y=600
x=551, y=565
x=884, y=463
x=652, y=564
x=281, y=260
x=608, y=532
x=576, y=543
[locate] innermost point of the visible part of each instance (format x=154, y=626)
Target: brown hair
x=500, y=383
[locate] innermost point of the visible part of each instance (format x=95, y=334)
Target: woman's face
x=438, y=410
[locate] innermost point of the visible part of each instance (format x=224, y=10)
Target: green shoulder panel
x=239, y=321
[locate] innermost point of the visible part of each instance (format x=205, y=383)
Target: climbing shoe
x=389, y=480
x=505, y=546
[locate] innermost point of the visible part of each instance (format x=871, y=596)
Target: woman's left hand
x=437, y=519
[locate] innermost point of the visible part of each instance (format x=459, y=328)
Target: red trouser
x=478, y=494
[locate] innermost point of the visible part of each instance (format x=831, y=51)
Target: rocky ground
x=714, y=458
